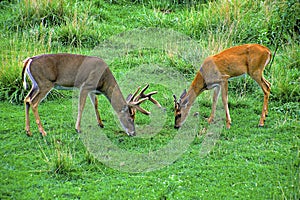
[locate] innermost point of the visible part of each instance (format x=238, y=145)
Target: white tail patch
x=268, y=60
x=27, y=71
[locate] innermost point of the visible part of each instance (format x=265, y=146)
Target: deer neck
x=197, y=87
x=110, y=88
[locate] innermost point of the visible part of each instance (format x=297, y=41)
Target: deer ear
x=183, y=94
x=128, y=97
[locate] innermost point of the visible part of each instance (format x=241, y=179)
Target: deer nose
x=132, y=133
x=176, y=127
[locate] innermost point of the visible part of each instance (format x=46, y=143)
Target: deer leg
x=214, y=104
x=268, y=84
x=224, y=88
x=37, y=119
x=82, y=99
x=27, y=120
x=94, y=101
x=27, y=102
x=266, y=87
x=34, y=106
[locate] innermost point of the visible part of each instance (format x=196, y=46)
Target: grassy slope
x=247, y=162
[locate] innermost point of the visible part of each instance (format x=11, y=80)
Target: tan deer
x=91, y=75
x=214, y=74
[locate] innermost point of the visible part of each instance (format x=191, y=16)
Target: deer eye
x=124, y=109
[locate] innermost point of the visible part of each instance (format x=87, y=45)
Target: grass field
x=161, y=43
x=246, y=162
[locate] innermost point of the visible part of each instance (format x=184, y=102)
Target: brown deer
x=214, y=74
x=91, y=75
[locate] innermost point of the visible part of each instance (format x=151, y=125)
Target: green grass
x=245, y=162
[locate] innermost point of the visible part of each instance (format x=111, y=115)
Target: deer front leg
x=94, y=101
x=224, y=88
x=214, y=103
x=27, y=121
x=82, y=99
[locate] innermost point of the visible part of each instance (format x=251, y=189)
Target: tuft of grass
x=58, y=153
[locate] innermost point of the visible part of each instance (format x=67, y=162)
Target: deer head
x=180, y=109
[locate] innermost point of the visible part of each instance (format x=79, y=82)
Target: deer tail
x=26, y=64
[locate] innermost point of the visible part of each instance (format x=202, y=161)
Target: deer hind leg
x=27, y=102
x=268, y=84
x=94, y=101
x=34, y=102
x=266, y=88
x=214, y=104
x=224, y=91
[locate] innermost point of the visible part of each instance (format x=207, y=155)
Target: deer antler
x=134, y=100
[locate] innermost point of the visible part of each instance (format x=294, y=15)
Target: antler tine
x=154, y=100
x=139, y=101
x=136, y=105
x=149, y=96
x=144, y=89
x=141, y=94
x=130, y=97
x=142, y=110
x=136, y=99
x=135, y=93
x=175, y=98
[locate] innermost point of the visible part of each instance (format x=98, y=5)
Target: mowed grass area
x=209, y=162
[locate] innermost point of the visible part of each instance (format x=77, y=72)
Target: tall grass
x=35, y=27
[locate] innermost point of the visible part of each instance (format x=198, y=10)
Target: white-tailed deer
x=91, y=75
x=215, y=72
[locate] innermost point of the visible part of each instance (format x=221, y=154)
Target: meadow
x=161, y=43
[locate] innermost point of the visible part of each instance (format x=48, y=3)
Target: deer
x=214, y=73
x=91, y=75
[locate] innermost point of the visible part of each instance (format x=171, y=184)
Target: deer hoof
x=261, y=123
x=177, y=127
x=28, y=133
x=101, y=125
x=131, y=134
x=43, y=133
x=78, y=130
x=210, y=120
x=228, y=125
